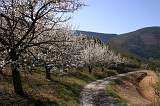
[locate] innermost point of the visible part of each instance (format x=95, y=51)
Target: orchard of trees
x=36, y=32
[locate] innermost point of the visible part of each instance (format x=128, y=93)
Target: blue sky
x=117, y=16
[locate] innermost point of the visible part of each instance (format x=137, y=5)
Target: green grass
x=60, y=91
x=70, y=87
x=111, y=92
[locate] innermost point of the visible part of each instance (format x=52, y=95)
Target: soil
x=138, y=92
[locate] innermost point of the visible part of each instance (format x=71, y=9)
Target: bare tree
x=25, y=24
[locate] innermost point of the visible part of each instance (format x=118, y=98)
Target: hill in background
x=144, y=43
x=102, y=36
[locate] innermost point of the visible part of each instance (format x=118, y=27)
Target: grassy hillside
x=62, y=90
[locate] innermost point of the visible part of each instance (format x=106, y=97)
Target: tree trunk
x=48, y=74
x=16, y=80
x=102, y=69
x=90, y=69
x=15, y=73
x=1, y=72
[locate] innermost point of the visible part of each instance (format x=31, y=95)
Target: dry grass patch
x=60, y=91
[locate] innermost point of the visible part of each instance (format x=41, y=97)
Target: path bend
x=94, y=94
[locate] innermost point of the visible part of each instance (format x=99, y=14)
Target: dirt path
x=94, y=94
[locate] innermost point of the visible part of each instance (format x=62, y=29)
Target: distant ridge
x=102, y=36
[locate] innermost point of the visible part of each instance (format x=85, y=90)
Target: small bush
x=111, y=72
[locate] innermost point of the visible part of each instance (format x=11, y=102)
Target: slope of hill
x=102, y=36
x=144, y=43
x=136, y=89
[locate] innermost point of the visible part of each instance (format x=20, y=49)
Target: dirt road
x=94, y=94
